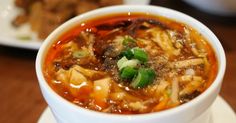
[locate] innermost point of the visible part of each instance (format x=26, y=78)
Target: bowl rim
x=67, y=25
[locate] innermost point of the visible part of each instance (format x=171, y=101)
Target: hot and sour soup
x=130, y=64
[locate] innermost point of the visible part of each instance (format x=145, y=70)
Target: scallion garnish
x=80, y=54
x=128, y=73
x=136, y=53
x=128, y=40
x=130, y=63
x=127, y=53
x=140, y=54
x=145, y=77
x=133, y=65
x=121, y=61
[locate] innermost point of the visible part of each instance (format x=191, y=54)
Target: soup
x=130, y=64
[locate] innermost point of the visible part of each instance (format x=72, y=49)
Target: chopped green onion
x=121, y=61
x=131, y=63
x=141, y=80
x=127, y=40
x=127, y=53
x=128, y=73
x=145, y=77
x=140, y=54
x=151, y=74
x=80, y=54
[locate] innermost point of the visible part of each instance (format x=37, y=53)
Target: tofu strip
x=187, y=63
x=175, y=91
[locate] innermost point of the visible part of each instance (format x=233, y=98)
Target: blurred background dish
x=17, y=37
x=25, y=23
x=216, y=7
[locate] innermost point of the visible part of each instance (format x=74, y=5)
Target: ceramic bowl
x=194, y=111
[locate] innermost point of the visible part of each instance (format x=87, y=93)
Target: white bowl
x=67, y=112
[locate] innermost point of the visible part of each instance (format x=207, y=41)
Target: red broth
x=130, y=64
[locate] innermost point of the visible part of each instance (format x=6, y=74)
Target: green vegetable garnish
x=127, y=53
x=128, y=40
x=140, y=54
x=80, y=54
x=133, y=65
x=130, y=63
x=128, y=73
x=145, y=77
x=136, y=53
x=151, y=74
x=121, y=61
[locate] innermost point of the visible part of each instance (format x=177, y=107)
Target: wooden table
x=20, y=97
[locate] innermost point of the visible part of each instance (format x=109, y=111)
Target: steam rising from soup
x=130, y=64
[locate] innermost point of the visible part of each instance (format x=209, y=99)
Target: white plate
x=9, y=36
x=221, y=112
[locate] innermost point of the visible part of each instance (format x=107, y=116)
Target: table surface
x=21, y=100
